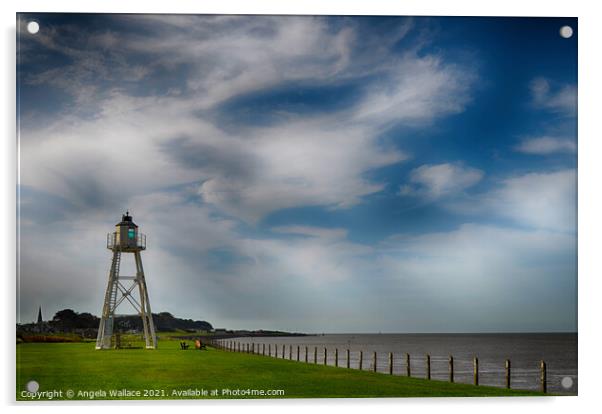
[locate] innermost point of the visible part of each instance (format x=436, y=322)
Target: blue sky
x=393, y=174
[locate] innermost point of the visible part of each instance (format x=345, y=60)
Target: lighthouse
x=126, y=239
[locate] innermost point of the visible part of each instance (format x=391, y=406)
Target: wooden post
x=374, y=361
x=290, y=352
x=451, y=368
x=543, y=377
x=283, y=351
x=297, y=353
x=336, y=357
x=306, y=354
x=390, y=363
x=325, y=355
x=476, y=370
x=269, y=349
x=361, y=359
x=315, y=354
x=348, y=362
x=408, y=366
x=253, y=348
x=239, y=347
x=428, y=366
x=247, y=347
x=508, y=373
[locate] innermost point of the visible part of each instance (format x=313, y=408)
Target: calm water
x=559, y=351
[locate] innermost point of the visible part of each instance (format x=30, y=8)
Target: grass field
x=169, y=372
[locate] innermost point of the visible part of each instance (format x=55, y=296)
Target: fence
x=389, y=363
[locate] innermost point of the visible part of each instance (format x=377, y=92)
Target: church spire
x=40, y=316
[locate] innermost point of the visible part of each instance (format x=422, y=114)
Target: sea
x=524, y=350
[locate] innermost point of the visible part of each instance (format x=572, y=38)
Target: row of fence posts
x=235, y=346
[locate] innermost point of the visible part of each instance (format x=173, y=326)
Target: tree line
x=67, y=320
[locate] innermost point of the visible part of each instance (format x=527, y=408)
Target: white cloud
x=545, y=201
x=326, y=233
x=561, y=99
x=540, y=200
x=417, y=89
x=512, y=276
x=317, y=160
x=546, y=145
x=435, y=181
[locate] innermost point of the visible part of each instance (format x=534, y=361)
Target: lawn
x=169, y=372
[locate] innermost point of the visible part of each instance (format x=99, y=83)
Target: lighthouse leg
x=145, y=309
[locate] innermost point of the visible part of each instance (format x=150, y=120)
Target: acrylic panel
x=270, y=206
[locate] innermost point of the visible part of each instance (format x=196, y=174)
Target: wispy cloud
x=248, y=171
x=561, y=99
x=546, y=145
x=436, y=181
x=538, y=200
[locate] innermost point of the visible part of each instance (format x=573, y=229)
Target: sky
x=304, y=173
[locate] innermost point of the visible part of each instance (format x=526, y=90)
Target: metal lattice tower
x=125, y=239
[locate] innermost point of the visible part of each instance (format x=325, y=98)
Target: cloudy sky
x=318, y=174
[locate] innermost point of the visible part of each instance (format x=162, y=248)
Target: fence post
x=408, y=366
x=306, y=352
x=451, y=368
x=428, y=366
x=361, y=359
x=374, y=361
x=269, y=349
x=476, y=370
x=348, y=362
x=297, y=353
x=283, y=351
x=390, y=363
x=508, y=373
x=290, y=352
x=325, y=355
x=253, y=348
x=263, y=349
x=336, y=357
x=543, y=377
x=315, y=354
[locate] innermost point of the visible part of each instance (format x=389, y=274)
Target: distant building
x=40, y=320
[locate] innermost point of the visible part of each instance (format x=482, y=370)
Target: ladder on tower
x=115, y=278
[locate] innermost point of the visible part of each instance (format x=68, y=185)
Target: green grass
x=78, y=366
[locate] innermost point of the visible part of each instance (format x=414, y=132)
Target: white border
x=590, y=205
